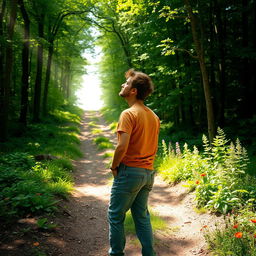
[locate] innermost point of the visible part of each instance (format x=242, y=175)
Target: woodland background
x=200, y=54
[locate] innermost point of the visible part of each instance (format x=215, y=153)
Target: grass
x=157, y=223
x=113, y=126
x=108, y=154
x=103, y=143
x=96, y=131
x=200, y=211
x=30, y=187
x=93, y=124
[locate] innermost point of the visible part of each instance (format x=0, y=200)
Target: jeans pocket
x=129, y=183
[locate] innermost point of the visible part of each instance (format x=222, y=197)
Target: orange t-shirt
x=142, y=124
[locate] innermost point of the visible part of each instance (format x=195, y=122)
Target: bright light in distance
x=89, y=95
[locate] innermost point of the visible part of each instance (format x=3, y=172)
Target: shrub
x=218, y=174
x=237, y=237
x=27, y=186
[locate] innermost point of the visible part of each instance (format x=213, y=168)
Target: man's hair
x=141, y=82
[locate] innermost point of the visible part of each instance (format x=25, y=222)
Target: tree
x=25, y=64
x=204, y=72
x=6, y=87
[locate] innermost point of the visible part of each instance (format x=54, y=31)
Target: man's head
x=138, y=84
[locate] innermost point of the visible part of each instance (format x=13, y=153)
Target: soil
x=82, y=228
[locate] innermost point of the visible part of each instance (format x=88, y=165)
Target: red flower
x=205, y=226
x=203, y=174
x=254, y=235
x=235, y=226
x=253, y=220
x=197, y=181
x=238, y=234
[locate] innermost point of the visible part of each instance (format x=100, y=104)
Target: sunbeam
x=89, y=95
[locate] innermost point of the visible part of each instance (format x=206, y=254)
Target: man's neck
x=133, y=101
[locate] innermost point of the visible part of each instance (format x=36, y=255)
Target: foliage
x=43, y=224
x=162, y=46
x=103, y=143
x=236, y=238
x=108, y=154
x=96, y=131
x=30, y=187
x=157, y=223
x=218, y=175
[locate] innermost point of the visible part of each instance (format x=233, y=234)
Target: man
x=132, y=165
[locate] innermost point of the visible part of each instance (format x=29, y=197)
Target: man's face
x=126, y=88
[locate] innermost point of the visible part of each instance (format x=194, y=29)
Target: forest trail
x=83, y=228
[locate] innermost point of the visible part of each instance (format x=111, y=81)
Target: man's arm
x=120, y=151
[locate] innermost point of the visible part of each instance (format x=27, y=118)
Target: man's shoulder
x=128, y=112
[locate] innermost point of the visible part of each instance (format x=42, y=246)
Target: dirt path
x=83, y=228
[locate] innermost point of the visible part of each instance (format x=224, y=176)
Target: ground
x=82, y=227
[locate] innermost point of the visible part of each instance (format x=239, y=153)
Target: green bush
x=236, y=238
x=218, y=174
x=27, y=186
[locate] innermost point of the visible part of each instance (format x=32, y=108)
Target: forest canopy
x=200, y=54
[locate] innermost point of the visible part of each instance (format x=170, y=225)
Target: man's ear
x=134, y=91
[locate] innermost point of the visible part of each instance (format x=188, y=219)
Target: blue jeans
x=130, y=190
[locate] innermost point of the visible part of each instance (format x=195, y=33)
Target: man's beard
x=124, y=94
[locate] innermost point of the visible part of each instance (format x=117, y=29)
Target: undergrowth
x=28, y=186
x=103, y=143
x=223, y=183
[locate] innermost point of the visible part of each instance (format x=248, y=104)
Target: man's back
x=142, y=124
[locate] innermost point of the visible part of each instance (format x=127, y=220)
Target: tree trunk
x=125, y=46
x=204, y=73
x=2, y=13
x=37, y=91
x=47, y=77
x=8, y=72
x=67, y=78
x=61, y=78
x=56, y=73
x=25, y=65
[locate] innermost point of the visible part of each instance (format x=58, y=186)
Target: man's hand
x=120, y=151
x=114, y=171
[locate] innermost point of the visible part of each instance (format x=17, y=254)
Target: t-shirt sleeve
x=126, y=123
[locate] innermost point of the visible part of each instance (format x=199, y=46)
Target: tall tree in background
x=25, y=64
x=6, y=85
x=204, y=72
x=40, y=18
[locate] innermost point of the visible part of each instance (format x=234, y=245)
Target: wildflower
x=253, y=220
x=254, y=235
x=178, y=151
x=36, y=244
x=238, y=234
x=197, y=181
x=204, y=226
x=235, y=226
x=203, y=174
